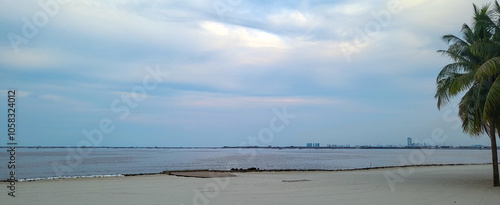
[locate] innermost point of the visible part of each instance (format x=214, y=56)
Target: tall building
x=410, y=143
x=312, y=144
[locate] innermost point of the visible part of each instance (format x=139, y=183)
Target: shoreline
x=234, y=170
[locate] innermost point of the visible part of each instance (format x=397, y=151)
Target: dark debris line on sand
x=202, y=174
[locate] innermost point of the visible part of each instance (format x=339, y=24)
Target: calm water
x=33, y=163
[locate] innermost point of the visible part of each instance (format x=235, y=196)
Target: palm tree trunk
x=494, y=156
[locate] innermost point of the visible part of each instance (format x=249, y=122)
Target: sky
x=225, y=73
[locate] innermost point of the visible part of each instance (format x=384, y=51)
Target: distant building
x=410, y=142
x=312, y=144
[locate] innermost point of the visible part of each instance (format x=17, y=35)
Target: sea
x=53, y=163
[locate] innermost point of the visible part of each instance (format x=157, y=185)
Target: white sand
x=426, y=185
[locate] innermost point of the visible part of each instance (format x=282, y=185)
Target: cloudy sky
x=217, y=72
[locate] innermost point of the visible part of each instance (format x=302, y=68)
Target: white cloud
x=35, y=58
x=440, y=17
x=227, y=102
x=193, y=99
x=351, y=9
x=292, y=18
x=64, y=100
x=241, y=36
x=410, y=40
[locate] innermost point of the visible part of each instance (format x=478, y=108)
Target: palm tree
x=475, y=67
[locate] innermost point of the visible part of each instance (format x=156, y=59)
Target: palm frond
x=468, y=113
x=492, y=102
x=489, y=68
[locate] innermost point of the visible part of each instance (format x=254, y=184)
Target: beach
x=467, y=184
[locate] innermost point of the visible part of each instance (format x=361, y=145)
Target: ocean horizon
x=53, y=163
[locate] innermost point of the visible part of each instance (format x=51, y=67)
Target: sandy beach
x=468, y=184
